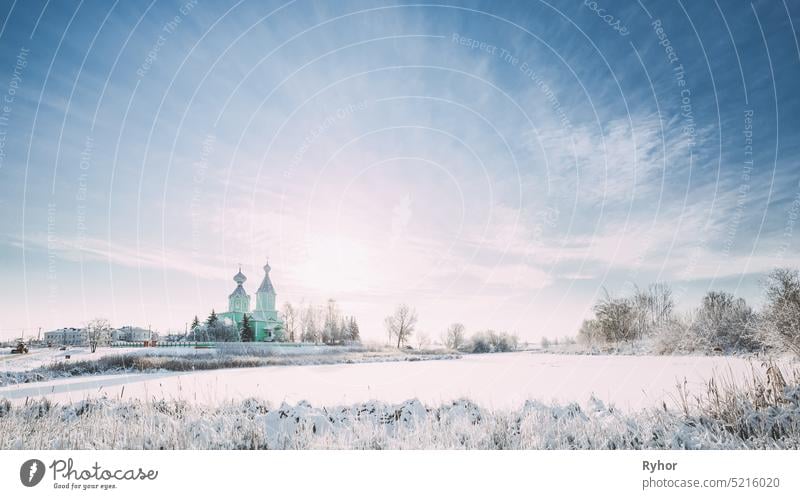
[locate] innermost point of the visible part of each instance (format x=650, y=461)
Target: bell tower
x=265, y=296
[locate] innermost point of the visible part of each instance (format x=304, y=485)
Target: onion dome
x=239, y=278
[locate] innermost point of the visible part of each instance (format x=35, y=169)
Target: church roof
x=239, y=291
x=262, y=316
x=266, y=284
x=239, y=278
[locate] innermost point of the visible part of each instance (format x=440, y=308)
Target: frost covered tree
x=223, y=331
x=423, y=340
x=479, y=343
x=616, y=318
x=199, y=333
x=353, y=333
x=290, y=321
x=454, y=337
x=652, y=308
x=343, y=334
x=331, y=332
x=309, y=324
x=279, y=334
x=212, y=319
x=723, y=322
x=492, y=341
x=781, y=322
x=195, y=323
x=590, y=333
x=401, y=324
x=98, y=332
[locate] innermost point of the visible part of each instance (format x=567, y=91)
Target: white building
x=131, y=333
x=67, y=336
x=74, y=336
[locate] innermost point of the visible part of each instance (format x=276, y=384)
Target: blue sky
x=494, y=163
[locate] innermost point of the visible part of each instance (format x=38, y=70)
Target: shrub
x=479, y=343
x=492, y=341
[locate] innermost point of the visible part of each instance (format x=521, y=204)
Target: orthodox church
x=264, y=318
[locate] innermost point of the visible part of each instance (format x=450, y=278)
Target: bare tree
x=290, y=321
x=454, y=338
x=423, y=340
x=98, y=331
x=653, y=307
x=401, y=324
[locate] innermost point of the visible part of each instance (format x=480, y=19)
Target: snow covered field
x=494, y=381
x=39, y=357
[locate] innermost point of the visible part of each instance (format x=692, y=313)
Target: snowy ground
x=39, y=357
x=494, y=381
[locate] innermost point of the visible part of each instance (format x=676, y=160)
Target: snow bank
x=254, y=424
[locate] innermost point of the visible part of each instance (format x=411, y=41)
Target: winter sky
x=493, y=163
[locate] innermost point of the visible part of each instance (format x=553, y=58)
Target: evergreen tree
x=212, y=319
x=247, y=332
x=330, y=329
x=195, y=323
x=342, y=332
x=353, y=333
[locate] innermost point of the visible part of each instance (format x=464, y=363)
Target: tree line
x=320, y=324
x=721, y=323
x=401, y=325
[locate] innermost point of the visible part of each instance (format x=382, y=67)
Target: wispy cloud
x=142, y=256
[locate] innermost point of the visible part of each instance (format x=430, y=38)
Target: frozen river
x=492, y=380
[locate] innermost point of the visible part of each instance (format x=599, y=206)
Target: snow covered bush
x=724, y=323
x=616, y=319
x=781, y=324
x=625, y=319
x=674, y=337
x=491, y=341
x=590, y=334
